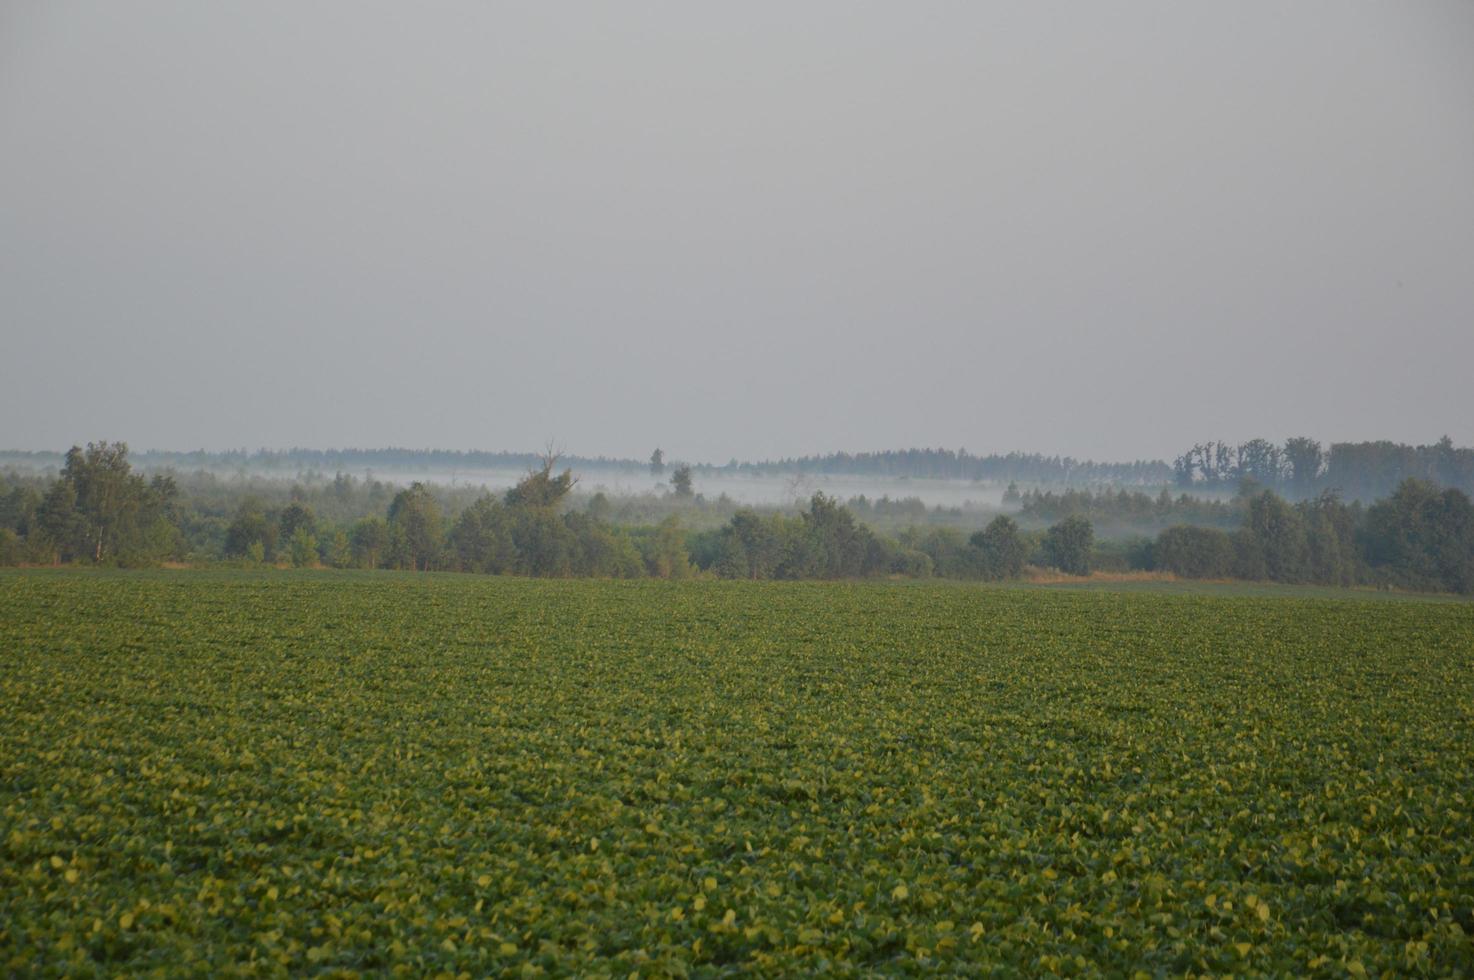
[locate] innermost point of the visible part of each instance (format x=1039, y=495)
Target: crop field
x=267, y=773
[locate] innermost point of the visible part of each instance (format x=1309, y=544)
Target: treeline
x=1302, y=468
x=948, y=464
x=1299, y=468
x=301, y=460
x=1123, y=508
x=98, y=511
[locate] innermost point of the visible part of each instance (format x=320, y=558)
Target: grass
x=266, y=772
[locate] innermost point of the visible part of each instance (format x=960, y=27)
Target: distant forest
x=1299, y=468
x=1302, y=468
x=98, y=511
x=948, y=464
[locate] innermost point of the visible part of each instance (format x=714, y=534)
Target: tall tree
x=1305, y=459
x=109, y=496
x=1001, y=549
x=415, y=527
x=1068, y=544
x=540, y=488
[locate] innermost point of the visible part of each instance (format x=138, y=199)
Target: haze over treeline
x=1300, y=466
x=97, y=510
x=759, y=229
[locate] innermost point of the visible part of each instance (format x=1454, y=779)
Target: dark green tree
x=1304, y=458
x=1001, y=549
x=483, y=538
x=415, y=530
x=1422, y=537
x=665, y=551
x=1068, y=544
x=1194, y=552
x=250, y=527
x=1272, y=544
x=370, y=542
x=111, y=501
x=838, y=544
x=541, y=488
x=296, y=516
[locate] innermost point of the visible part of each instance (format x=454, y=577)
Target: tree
x=1305, y=459
x=338, y=551
x=63, y=529
x=482, y=538
x=545, y=545
x=1423, y=537
x=751, y=547
x=12, y=549
x=1271, y=544
x=1068, y=544
x=302, y=547
x=1330, y=536
x=665, y=551
x=680, y=481
x=657, y=462
x=250, y=528
x=296, y=517
x=838, y=545
x=1259, y=459
x=370, y=540
x=415, y=527
x=110, y=500
x=540, y=488
x=1001, y=550
x=1194, y=552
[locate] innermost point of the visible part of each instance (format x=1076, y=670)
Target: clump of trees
x=827, y=542
x=97, y=510
x=1421, y=537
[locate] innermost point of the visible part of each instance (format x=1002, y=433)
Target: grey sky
x=746, y=229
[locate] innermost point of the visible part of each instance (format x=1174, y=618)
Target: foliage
x=99, y=510
x=1123, y=508
x=1068, y=544
x=1001, y=549
x=1195, y=552
x=290, y=773
x=1424, y=537
x=415, y=529
x=541, y=488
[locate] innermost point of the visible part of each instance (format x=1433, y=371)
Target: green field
x=273, y=772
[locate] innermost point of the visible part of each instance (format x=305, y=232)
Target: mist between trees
x=97, y=510
x=1298, y=468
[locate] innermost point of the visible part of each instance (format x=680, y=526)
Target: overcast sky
x=750, y=230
